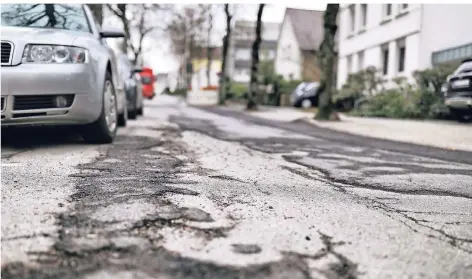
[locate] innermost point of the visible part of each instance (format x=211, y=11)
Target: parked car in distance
x=305, y=95
x=133, y=88
x=58, y=70
x=458, y=95
x=147, y=80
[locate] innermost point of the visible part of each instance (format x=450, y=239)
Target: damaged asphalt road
x=188, y=193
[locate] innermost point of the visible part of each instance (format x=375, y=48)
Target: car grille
x=39, y=102
x=6, y=53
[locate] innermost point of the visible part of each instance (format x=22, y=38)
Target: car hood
x=28, y=35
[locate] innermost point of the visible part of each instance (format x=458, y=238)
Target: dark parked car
x=458, y=95
x=305, y=95
x=133, y=86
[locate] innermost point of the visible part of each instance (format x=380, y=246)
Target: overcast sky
x=161, y=59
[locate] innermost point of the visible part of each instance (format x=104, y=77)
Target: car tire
x=133, y=114
x=123, y=118
x=140, y=111
x=461, y=116
x=102, y=130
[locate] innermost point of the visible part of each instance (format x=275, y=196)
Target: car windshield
x=146, y=80
x=57, y=16
x=464, y=67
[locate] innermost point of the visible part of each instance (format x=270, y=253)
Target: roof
x=307, y=26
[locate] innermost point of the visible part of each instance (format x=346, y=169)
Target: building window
x=360, y=60
x=452, y=55
x=403, y=7
x=352, y=18
x=363, y=15
x=349, y=64
x=385, y=54
x=387, y=10
x=243, y=54
x=401, y=48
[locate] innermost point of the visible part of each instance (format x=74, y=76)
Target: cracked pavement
x=209, y=193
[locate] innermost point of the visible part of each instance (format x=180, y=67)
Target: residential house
x=240, y=50
x=200, y=67
x=300, y=36
x=401, y=38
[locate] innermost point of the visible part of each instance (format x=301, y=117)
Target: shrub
x=390, y=103
x=179, y=92
x=237, y=90
x=367, y=82
x=423, y=100
x=287, y=86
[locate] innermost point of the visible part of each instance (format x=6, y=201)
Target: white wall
x=288, y=57
x=444, y=26
x=376, y=34
x=241, y=75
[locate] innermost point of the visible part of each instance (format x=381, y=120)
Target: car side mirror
x=137, y=70
x=110, y=32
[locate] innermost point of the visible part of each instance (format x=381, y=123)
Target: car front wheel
x=133, y=114
x=103, y=130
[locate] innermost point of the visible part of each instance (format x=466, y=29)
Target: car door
x=117, y=81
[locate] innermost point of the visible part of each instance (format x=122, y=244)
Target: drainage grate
x=39, y=102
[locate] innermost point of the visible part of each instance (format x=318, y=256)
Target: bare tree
x=138, y=19
x=209, y=48
x=327, y=59
x=97, y=10
x=251, y=101
x=188, y=35
x=226, y=40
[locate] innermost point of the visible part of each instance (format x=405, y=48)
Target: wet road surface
x=193, y=193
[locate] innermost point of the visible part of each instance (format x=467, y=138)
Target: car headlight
x=54, y=54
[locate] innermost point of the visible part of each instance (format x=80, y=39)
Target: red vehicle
x=147, y=79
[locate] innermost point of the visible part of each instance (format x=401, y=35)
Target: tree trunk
x=251, y=101
x=97, y=10
x=327, y=59
x=226, y=41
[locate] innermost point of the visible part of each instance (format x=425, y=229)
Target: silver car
x=133, y=87
x=57, y=69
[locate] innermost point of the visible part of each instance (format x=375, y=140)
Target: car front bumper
x=459, y=102
x=37, y=84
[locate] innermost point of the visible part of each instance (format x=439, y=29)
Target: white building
x=401, y=38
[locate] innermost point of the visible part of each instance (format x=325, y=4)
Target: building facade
x=240, y=50
x=398, y=39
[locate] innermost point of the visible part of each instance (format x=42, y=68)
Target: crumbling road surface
x=210, y=193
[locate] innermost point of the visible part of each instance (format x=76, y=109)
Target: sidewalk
x=443, y=134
